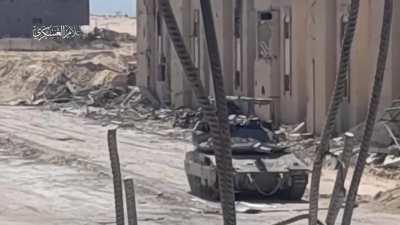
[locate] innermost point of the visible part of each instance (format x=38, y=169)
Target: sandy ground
x=55, y=171
x=55, y=168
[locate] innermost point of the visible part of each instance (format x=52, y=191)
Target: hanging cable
x=223, y=154
x=372, y=112
x=336, y=100
x=217, y=123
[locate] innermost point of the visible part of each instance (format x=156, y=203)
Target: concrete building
x=17, y=17
x=287, y=50
x=326, y=23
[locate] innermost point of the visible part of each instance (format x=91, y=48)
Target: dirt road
x=55, y=171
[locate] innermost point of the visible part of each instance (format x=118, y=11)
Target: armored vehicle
x=261, y=166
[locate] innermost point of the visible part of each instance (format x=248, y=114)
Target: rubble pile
x=109, y=35
x=100, y=85
x=389, y=200
x=121, y=105
x=385, y=147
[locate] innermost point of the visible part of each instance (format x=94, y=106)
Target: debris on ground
x=98, y=84
x=385, y=147
x=110, y=35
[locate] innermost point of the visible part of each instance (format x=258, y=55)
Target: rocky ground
x=55, y=170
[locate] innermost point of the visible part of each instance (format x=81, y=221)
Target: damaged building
x=284, y=50
x=17, y=17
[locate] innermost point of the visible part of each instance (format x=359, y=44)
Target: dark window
x=287, y=83
x=159, y=24
x=265, y=16
x=237, y=79
x=196, y=24
x=263, y=92
x=163, y=69
x=238, y=43
x=196, y=38
x=288, y=52
x=287, y=29
x=264, y=35
x=238, y=18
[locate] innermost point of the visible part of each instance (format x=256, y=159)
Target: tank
x=261, y=166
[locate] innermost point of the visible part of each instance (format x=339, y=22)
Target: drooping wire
x=336, y=100
x=372, y=111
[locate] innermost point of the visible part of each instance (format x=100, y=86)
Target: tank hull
x=280, y=175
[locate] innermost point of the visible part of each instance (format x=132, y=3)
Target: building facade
x=17, y=17
x=286, y=50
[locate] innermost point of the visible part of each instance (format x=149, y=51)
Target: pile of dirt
x=389, y=200
x=31, y=80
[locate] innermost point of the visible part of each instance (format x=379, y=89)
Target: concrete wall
x=203, y=58
x=146, y=34
x=16, y=16
x=266, y=77
x=224, y=10
x=321, y=60
x=175, y=85
x=293, y=102
x=267, y=70
x=323, y=55
x=181, y=94
x=249, y=48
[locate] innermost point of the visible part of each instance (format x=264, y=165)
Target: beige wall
x=326, y=57
x=224, y=14
x=267, y=72
x=293, y=103
x=315, y=54
x=364, y=59
x=181, y=94
x=249, y=49
x=321, y=60
x=259, y=74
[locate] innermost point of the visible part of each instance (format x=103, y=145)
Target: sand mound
x=25, y=78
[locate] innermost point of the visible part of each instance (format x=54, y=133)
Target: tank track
x=297, y=188
x=202, y=191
